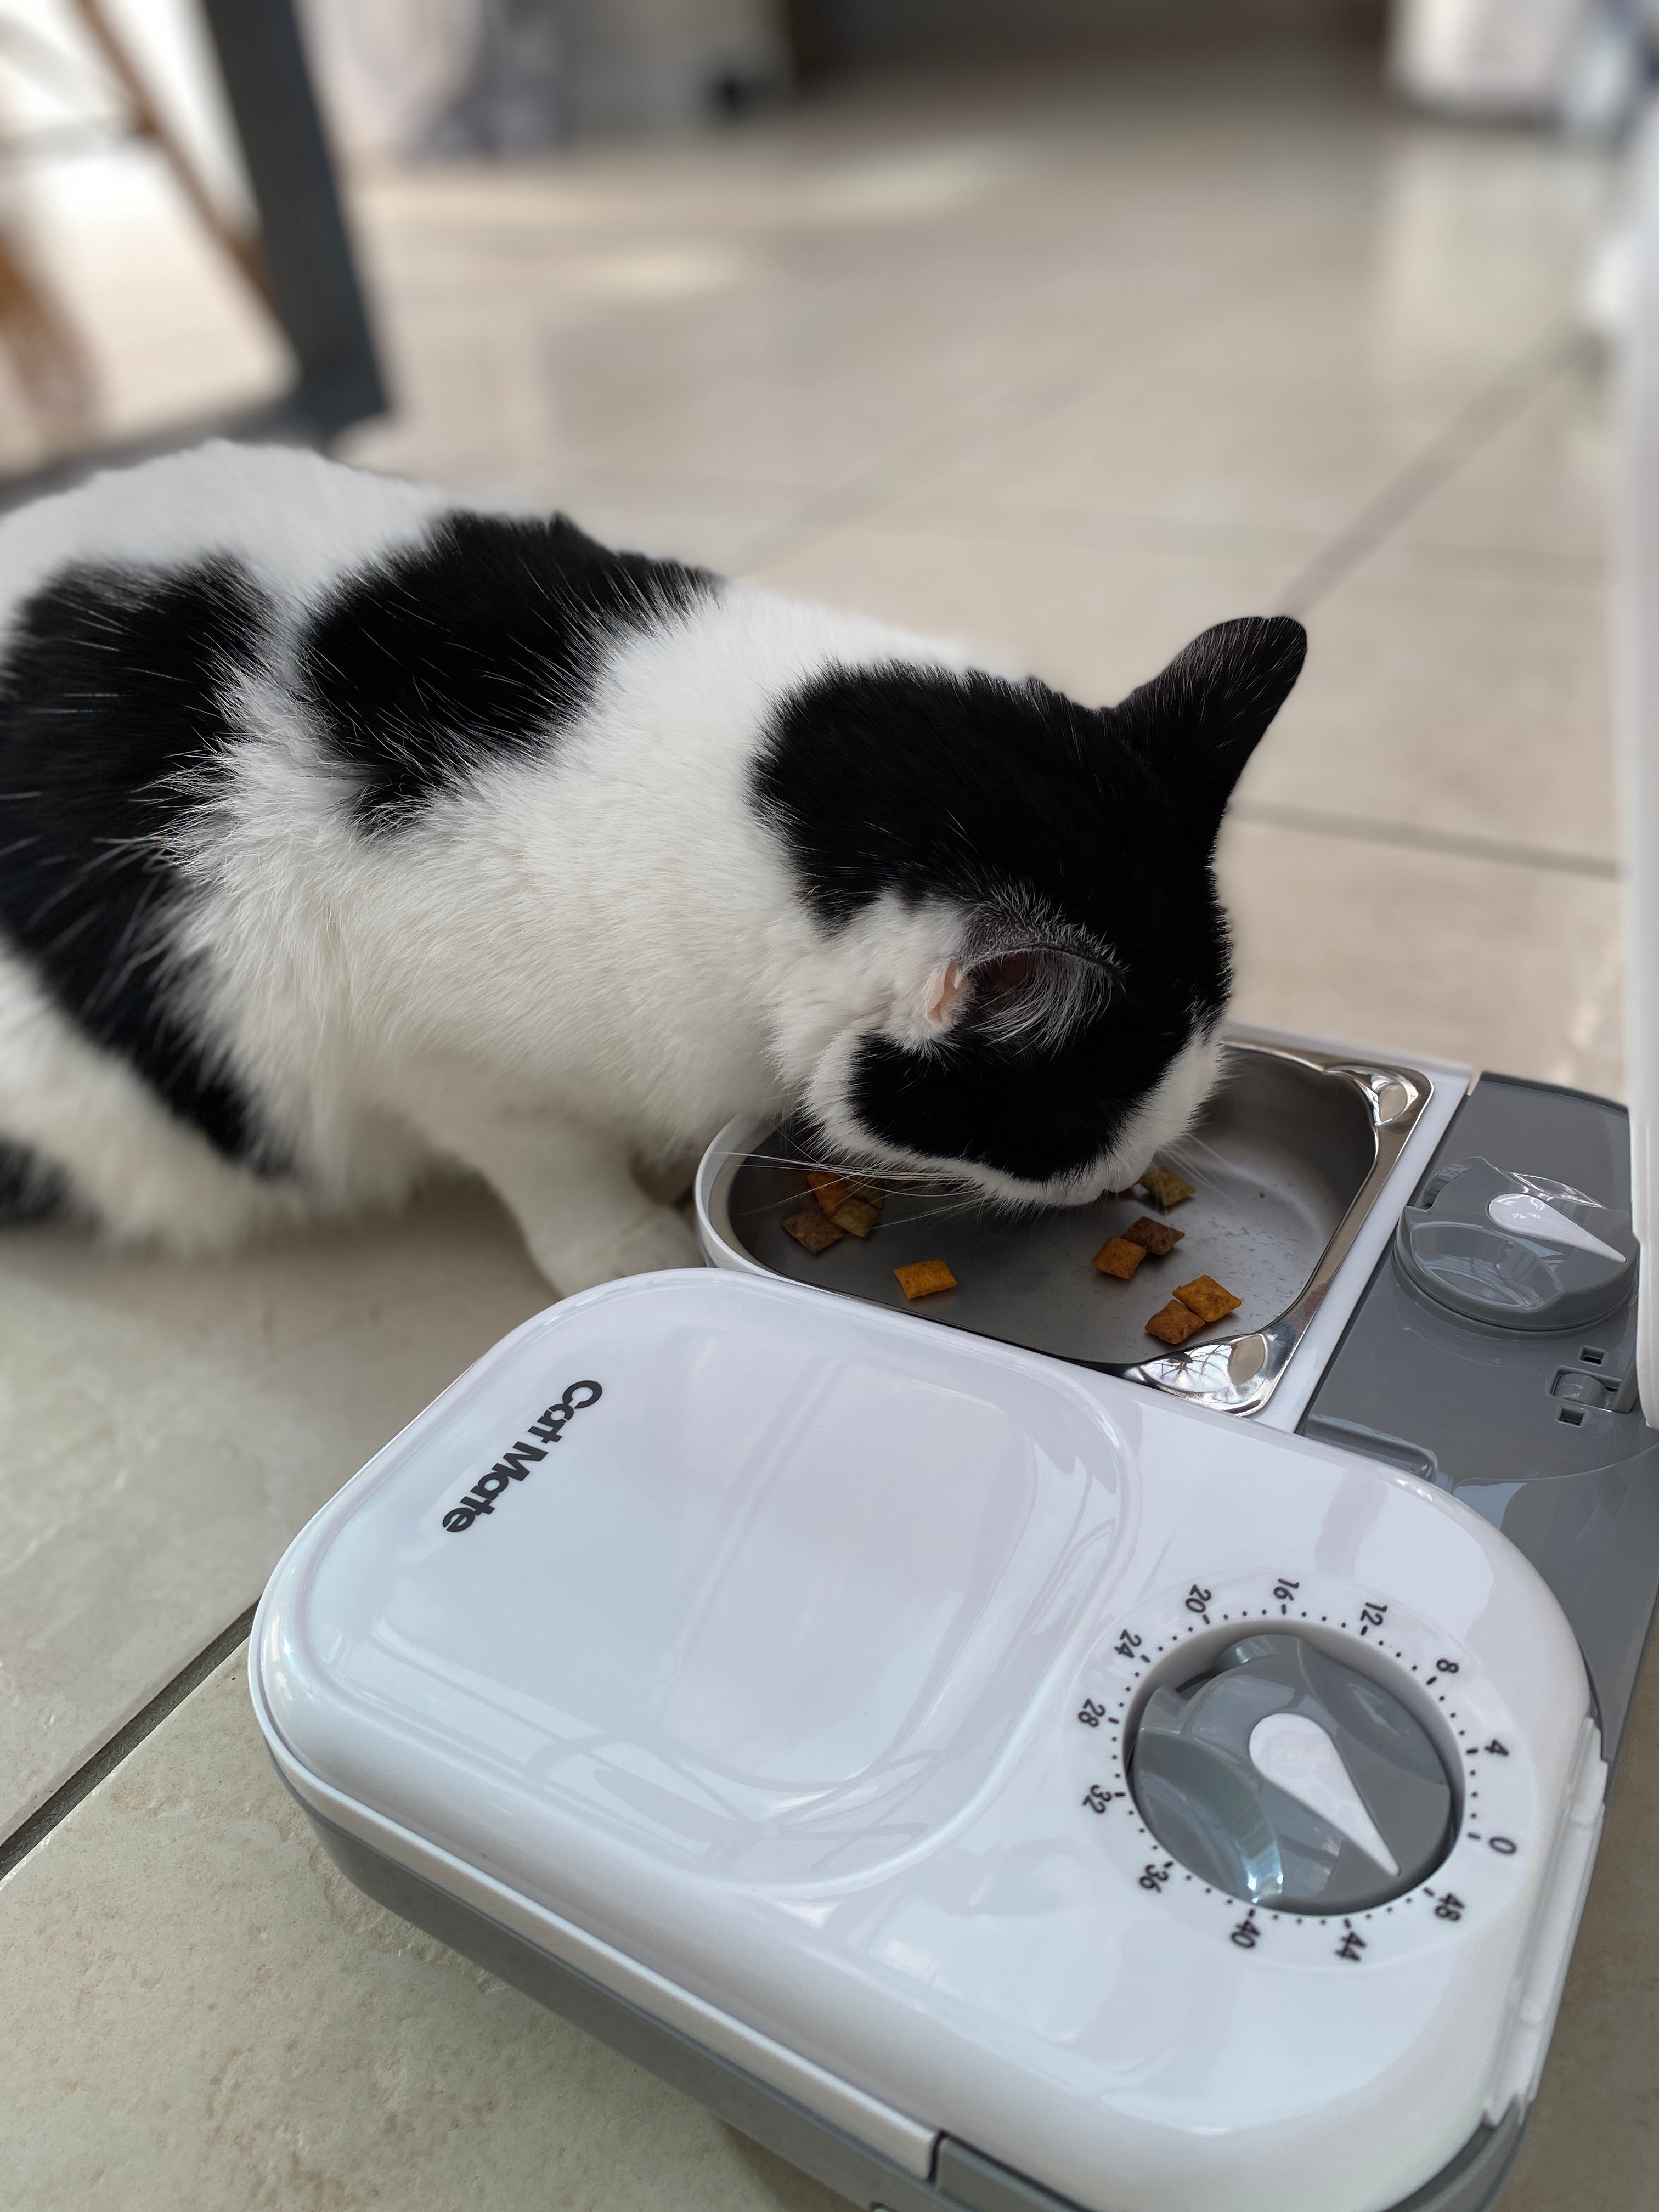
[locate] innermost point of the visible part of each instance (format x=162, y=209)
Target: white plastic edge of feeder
x=1637, y=693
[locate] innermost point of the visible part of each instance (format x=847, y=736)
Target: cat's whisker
x=1193, y=1147
x=791, y=1202
x=1194, y=1157
x=918, y=1179
x=934, y=1213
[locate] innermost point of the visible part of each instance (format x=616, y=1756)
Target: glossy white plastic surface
x=1636, y=476
x=794, y=1673
x=1524, y=1214
x=1296, y=1756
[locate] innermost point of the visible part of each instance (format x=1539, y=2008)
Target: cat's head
x=1023, y=961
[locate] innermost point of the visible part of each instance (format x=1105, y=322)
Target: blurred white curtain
x=1499, y=57
x=509, y=76
x=390, y=70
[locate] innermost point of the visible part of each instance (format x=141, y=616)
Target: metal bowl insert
x=1288, y=1157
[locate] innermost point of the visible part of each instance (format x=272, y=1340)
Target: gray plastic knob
x=1516, y=1251
x=1287, y=1779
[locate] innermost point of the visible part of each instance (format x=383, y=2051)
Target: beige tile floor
x=1066, y=363
x=167, y=1428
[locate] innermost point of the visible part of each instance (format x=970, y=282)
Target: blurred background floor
x=1065, y=361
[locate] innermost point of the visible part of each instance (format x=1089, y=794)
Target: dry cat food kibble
x=1194, y=1306
x=852, y=1205
x=922, y=1278
x=1118, y=1256
x=845, y=1206
x=1173, y=1323
x=830, y=1190
x=1165, y=1187
x=813, y=1229
x=1206, y=1297
x=858, y=1216
x=1157, y=1236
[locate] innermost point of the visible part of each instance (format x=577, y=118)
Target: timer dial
x=1281, y=1776
x=1219, y=1810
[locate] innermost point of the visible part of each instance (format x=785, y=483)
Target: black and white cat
x=347, y=836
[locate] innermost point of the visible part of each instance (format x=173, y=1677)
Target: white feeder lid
x=771, y=1657
x=1637, y=614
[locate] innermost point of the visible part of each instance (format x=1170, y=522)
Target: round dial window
x=1281, y=1776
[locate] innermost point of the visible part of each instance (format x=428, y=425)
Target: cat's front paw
x=663, y=1239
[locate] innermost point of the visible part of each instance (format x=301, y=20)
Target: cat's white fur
x=570, y=973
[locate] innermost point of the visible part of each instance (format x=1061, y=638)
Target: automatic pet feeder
x=997, y=1770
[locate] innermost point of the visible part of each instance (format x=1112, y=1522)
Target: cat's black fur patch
x=112, y=724
x=480, y=641
x=31, y=1189
x=903, y=780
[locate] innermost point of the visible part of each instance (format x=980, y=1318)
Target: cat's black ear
x=1198, y=722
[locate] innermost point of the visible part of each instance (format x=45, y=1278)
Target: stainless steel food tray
x=1289, y=1157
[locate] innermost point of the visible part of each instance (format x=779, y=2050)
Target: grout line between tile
x=1275, y=814
x=1474, y=425
x=22, y=1840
